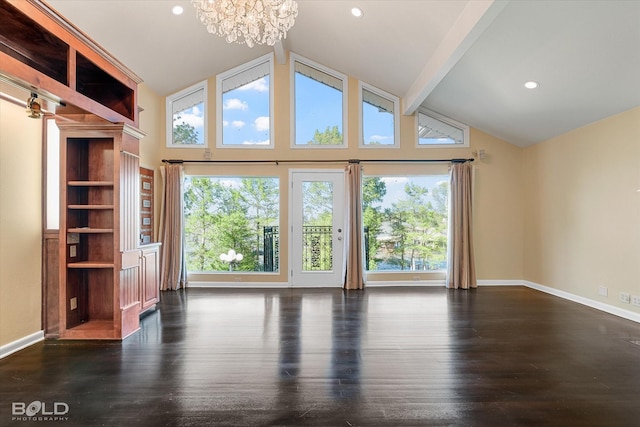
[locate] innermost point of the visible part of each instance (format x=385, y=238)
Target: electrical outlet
x=635, y=300
x=73, y=303
x=625, y=297
x=72, y=251
x=603, y=291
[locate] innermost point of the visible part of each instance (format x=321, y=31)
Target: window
x=319, y=105
x=406, y=222
x=186, y=112
x=435, y=130
x=238, y=214
x=52, y=186
x=379, y=118
x=244, y=105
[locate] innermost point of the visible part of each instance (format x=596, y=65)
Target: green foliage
x=219, y=217
x=373, y=192
x=419, y=228
x=317, y=202
x=331, y=136
x=184, y=134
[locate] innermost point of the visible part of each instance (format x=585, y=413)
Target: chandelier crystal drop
x=248, y=21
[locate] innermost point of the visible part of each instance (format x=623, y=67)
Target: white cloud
x=238, y=124
x=192, y=116
x=235, y=104
x=225, y=123
x=262, y=123
x=259, y=85
x=378, y=137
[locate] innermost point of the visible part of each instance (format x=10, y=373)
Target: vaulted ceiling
x=467, y=60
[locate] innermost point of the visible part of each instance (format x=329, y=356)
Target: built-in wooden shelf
x=89, y=264
x=87, y=230
x=96, y=207
x=43, y=52
x=90, y=183
x=100, y=293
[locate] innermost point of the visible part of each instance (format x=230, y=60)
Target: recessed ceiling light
x=177, y=10
x=357, y=12
x=531, y=84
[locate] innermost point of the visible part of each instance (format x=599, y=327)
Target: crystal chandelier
x=248, y=21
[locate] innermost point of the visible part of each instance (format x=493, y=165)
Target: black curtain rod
x=277, y=162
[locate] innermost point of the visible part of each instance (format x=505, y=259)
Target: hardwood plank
x=503, y=356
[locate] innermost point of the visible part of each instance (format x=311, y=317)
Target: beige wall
x=20, y=223
x=582, y=210
x=498, y=205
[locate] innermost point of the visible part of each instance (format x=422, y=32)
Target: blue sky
x=246, y=114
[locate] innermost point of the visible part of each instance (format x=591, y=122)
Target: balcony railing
x=317, y=250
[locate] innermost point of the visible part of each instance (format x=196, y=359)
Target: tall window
x=379, y=117
x=406, y=222
x=186, y=112
x=244, y=105
x=319, y=105
x=435, y=130
x=232, y=216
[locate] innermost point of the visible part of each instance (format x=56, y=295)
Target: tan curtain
x=174, y=272
x=353, y=248
x=461, y=271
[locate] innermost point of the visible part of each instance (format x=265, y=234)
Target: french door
x=316, y=228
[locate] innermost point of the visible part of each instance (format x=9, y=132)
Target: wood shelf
x=90, y=183
x=90, y=207
x=87, y=230
x=90, y=264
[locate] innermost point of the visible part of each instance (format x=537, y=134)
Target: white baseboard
x=21, y=343
x=500, y=283
x=607, y=308
x=396, y=283
x=238, y=285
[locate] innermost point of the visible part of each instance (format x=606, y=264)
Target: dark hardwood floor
x=495, y=356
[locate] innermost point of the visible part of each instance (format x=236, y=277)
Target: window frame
x=436, y=171
x=171, y=99
x=222, y=176
x=293, y=58
x=446, y=120
x=268, y=58
x=396, y=115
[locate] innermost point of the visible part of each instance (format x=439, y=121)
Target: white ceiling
x=467, y=60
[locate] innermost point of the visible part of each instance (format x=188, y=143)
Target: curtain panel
x=173, y=273
x=353, y=248
x=461, y=271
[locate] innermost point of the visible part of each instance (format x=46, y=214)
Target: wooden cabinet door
x=150, y=280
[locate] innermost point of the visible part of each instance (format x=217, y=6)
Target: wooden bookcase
x=99, y=291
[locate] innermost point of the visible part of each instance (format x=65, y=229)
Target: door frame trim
x=290, y=219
